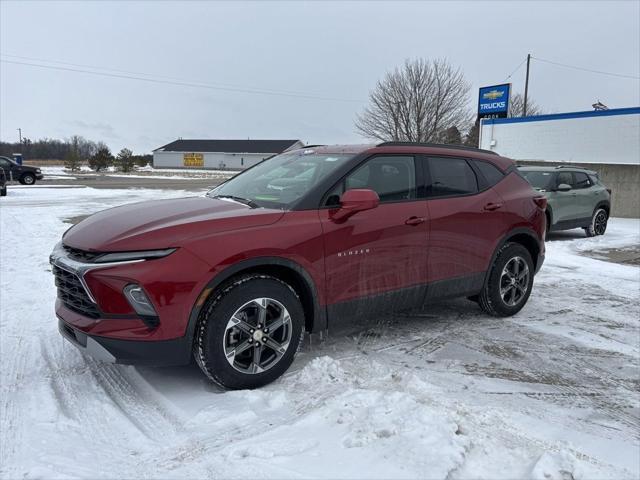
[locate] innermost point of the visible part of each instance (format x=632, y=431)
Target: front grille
x=73, y=294
x=80, y=255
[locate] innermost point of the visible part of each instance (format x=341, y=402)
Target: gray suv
x=576, y=197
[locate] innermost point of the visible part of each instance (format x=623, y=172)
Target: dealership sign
x=493, y=101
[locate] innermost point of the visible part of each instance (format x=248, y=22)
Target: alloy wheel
x=600, y=222
x=257, y=335
x=514, y=281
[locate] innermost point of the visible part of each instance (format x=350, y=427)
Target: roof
x=229, y=146
x=564, y=116
x=416, y=149
x=550, y=168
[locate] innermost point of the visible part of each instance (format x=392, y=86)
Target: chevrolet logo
x=492, y=95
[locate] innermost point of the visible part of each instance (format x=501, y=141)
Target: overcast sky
x=335, y=51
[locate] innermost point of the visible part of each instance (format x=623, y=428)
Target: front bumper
x=129, y=352
x=39, y=176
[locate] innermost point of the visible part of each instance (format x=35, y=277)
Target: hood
x=163, y=224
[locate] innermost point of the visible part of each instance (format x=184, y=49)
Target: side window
x=564, y=177
x=581, y=180
x=392, y=178
x=490, y=172
x=4, y=163
x=450, y=176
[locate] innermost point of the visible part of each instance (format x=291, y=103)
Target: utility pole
x=526, y=87
x=20, y=134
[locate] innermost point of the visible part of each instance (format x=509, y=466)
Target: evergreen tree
x=101, y=159
x=125, y=160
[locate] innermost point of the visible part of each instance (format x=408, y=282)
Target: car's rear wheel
x=249, y=332
x=510, y=280
x=28, y=179
x=598, y=223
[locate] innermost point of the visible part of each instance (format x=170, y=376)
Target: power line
x=621, y=75
x=517, y=68
x=129, y=72
x=184, y=83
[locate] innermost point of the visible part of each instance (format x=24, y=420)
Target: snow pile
x=447, y=394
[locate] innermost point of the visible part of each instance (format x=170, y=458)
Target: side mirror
x=354, y=201
x=563, y=187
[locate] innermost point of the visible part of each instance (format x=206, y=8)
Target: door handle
x=492, y=206
x=413, y=221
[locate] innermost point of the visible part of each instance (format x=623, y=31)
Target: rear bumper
x=129, y=352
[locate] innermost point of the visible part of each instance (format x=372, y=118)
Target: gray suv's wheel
x=598, y=223
x=249, y=332
x=510, y=280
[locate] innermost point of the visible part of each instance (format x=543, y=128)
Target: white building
x=607, y=141
x=219, y=154
x=605, y=136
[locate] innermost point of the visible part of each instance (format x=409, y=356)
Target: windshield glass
x=280, y=180
x=538, y=179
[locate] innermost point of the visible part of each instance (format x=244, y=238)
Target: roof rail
x=570, y=166
x=434, y=145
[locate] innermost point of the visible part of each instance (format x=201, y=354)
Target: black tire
x=598, y=224
x=548, y=226
x=3, y=191
x=28, y=179
x=491, y=299
x=212, y=332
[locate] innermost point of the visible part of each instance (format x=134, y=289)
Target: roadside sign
x=493, y=101
x=193, y=160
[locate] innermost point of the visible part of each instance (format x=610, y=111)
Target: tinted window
x=490, y=172
x=450, y=176
x=392, y=178
x=581, y=180
x=538, y=179
x=564, y=177
x=5, y=163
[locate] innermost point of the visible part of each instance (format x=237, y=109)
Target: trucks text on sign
x=493, y=101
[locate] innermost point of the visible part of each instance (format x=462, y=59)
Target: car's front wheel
x=28, y=179
x=510, y=280
x=249, y=332
x=598, y=223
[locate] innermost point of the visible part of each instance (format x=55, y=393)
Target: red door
x=464, y=224
x=383, y=250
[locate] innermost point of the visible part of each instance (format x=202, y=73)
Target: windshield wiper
x=244, y=201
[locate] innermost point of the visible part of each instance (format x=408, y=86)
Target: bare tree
x=516, y=109
x=416, y=102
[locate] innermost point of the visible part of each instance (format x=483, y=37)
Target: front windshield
x=538, y=179
x=280, y=180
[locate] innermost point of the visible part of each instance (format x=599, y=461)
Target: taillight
x=541, y=202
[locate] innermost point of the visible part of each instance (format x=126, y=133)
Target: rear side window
x=450, y=176
x=490, y=172
x=581, y=180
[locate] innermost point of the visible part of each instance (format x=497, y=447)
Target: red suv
x=294, y=244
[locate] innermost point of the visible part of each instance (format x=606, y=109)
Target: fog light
x=139, y=300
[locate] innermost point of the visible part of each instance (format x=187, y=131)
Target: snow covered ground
x=62, y=173
x=553, y=392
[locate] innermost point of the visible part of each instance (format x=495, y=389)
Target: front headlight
x=132, y=256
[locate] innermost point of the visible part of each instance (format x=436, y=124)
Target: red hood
x=163, y=224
